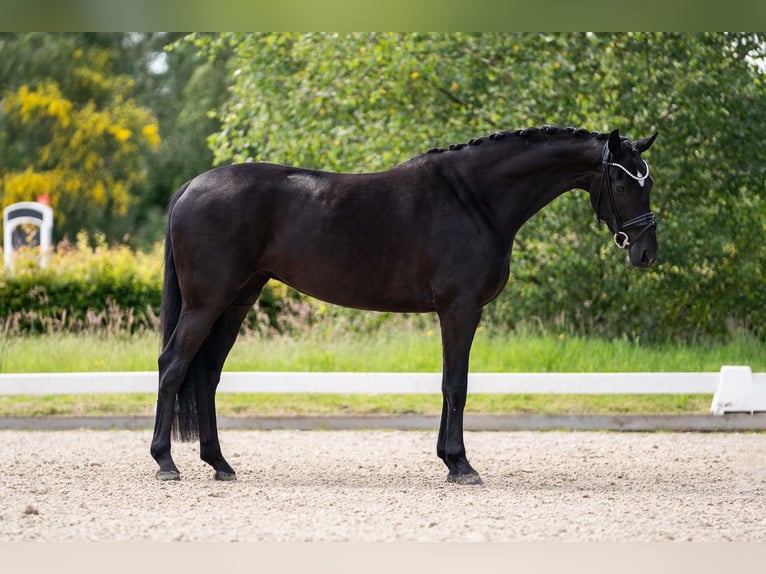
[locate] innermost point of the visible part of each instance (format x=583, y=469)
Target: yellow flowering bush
x=88, y=158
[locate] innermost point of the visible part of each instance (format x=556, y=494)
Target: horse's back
x=359, y=240
x=286, y=187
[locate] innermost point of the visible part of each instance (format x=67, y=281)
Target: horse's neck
x=521, y=180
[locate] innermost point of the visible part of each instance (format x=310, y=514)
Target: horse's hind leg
x=214, y=353
x=174, y=362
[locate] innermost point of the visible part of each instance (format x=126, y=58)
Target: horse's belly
x=374, y=293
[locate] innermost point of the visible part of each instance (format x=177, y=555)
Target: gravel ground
x=387, y=486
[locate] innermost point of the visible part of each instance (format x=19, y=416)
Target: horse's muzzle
x=644, y=252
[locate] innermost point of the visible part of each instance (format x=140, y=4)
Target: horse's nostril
x=647, y=259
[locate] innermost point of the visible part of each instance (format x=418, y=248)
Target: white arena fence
x=734, y=388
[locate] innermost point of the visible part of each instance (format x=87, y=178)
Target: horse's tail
x=170, y=310
x=186, y=419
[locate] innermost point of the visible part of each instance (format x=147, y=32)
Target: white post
x=27, y=212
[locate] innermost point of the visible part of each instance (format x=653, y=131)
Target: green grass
x=267, y=404
x=421, y=352
x=390, y=350
x=74, y=353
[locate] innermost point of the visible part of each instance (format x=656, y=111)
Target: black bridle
x=645, y=222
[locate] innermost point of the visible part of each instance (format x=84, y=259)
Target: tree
x=183, y=93
x=73, y=133
x=367, y=101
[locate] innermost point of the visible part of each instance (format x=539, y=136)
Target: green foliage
x=97, y=290
x=108, y=124
x=89, y=287
x=183, y=97
x=366, y=101
x=362, y=102
x=75, y=135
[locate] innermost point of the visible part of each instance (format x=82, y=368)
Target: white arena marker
x=739, y=391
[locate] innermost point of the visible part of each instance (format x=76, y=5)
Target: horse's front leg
x=458, y=325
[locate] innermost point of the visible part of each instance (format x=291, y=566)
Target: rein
x=644, y=222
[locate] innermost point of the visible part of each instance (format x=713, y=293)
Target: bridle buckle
x=622, y=240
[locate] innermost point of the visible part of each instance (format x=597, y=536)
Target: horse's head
x=620, y=197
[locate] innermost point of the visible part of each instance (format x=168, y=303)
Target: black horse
x=431, y=234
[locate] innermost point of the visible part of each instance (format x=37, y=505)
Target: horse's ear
x=646, y=143
x=615, y=143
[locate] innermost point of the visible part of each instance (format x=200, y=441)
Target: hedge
x=91, y=287
x=88, y=286
x=82, y=288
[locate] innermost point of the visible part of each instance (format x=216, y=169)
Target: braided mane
x=550, y=131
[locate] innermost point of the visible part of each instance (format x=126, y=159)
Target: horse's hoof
x=471, y=479
x=166, y=475
x=225, y=476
